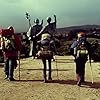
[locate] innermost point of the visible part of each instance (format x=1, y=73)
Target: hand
x=29, y=38
x=34, y=37
x=55, y=16
x=42, y=22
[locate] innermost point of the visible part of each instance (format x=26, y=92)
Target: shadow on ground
x=95, y=85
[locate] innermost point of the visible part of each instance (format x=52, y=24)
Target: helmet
x=37, y=21
x=48, y=19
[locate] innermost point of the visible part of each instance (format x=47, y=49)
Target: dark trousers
x=34, y=50
x=9, y=67
x=80, y=69
x=45, y=68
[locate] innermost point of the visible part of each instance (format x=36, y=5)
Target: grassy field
x=62, y=87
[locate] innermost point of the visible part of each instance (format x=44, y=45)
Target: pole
x=56, y=61
x=91, y=69
x=91, y=73
x=19, y=63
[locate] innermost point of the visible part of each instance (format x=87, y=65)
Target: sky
x=68, y=12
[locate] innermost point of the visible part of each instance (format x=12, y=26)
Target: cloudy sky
x=68, y=12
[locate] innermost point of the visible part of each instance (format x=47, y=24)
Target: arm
x=41, y=22
x=38, y=45
x=42, y=31
x=73, y=48
x=54, y=25
x=55, y=18
x=53, y=47
x=29, y=33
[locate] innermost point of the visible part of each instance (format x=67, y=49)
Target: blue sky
x=68, y=12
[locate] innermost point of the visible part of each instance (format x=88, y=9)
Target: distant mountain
x=84, y=27
x=65, y=30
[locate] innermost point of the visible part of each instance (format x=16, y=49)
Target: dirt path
x=63, y=87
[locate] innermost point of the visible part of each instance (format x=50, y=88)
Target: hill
x=83, y=27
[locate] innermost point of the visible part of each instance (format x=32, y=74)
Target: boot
x=82, y=80
x=45, y=79
x=78, y=79
x=11, y=79
x=50, y=78
x=6, y=76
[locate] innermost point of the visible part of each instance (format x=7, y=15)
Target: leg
x=34, y=53
x=6, y=68
x=31, y=48
x=49, y=63
x=53, y=56
x=44, y=70
x=11, y=69
x=34, y=49
x=78, y=79
x=15, y=64
x=78, y=73
x=83, y=72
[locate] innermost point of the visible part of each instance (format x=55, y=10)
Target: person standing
x=46, y=48
x=32, y=32
x=50, y=28
x=10, y=44
x=81, y=49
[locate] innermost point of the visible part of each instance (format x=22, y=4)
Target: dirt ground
x=62, y=87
